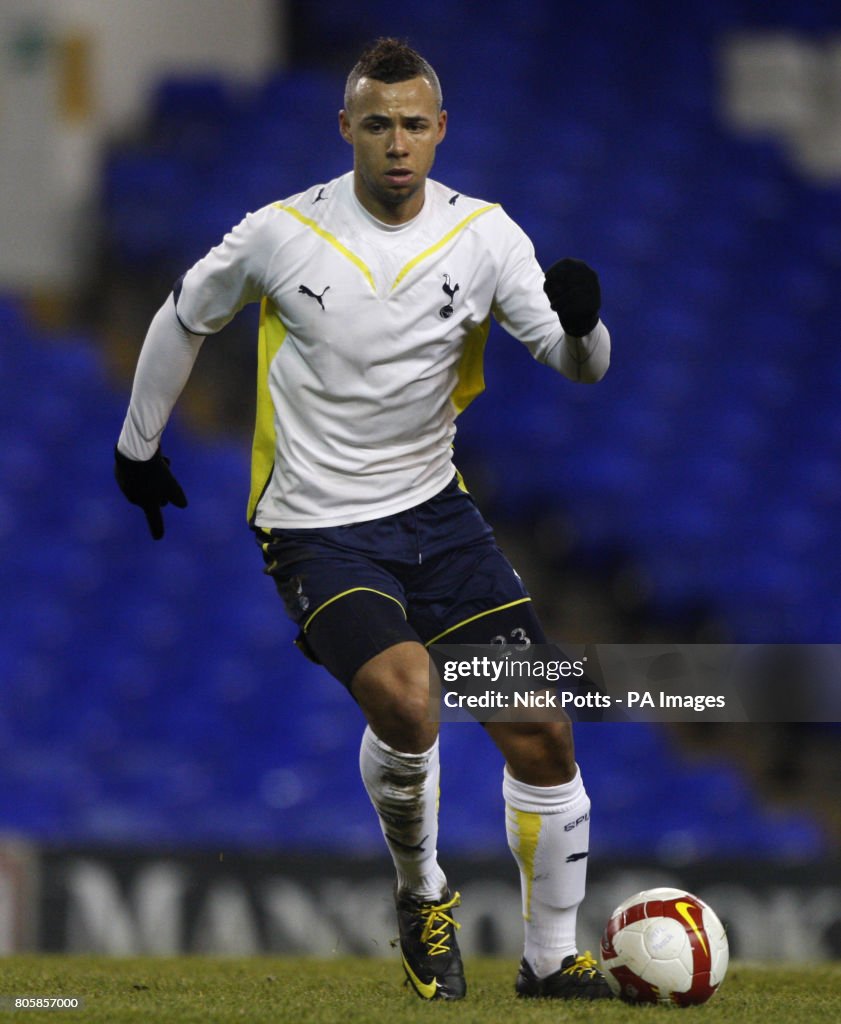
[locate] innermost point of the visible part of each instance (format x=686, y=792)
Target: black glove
x=149, y=484
x=574, y=294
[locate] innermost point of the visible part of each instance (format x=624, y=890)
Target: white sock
x=404, y=791
x=548, y=831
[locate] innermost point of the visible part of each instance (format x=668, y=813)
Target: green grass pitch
x=277, y=990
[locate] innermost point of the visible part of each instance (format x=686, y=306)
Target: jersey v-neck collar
x=387, y=229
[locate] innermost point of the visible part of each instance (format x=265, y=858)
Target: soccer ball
x=664, y=946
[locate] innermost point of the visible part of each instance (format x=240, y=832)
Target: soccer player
x=377, y=290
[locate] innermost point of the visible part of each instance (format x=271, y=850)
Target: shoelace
x=435, y=923
x=584, y=963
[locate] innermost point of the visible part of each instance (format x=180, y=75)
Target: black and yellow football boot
x=578, y=978
x=428, y=946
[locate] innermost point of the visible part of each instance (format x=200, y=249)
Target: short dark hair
x=391, y=60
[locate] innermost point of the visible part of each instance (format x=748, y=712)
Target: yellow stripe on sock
x=527, y=825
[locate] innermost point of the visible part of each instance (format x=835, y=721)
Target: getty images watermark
x=636, y=682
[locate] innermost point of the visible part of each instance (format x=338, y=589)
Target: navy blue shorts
x=429, y=574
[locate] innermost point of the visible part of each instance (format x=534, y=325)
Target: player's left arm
x=574, y=293
x=555, y=315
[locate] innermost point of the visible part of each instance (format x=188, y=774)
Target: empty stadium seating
x=152, y=693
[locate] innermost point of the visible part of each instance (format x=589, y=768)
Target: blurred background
x=174, y=775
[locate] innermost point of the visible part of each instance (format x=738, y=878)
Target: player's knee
x=559, y=749
x=403, y=722
x=539, y=753
x=396, y=704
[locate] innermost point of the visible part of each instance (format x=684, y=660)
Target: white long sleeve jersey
x=371, y=342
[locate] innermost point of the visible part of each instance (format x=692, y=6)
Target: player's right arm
x=163, y=368
x=205, y=299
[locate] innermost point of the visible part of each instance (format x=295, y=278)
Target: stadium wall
x=131, y=902
x=70, y=74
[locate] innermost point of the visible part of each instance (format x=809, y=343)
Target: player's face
x=394, y=129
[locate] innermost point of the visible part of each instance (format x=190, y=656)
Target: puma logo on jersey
x=445, y=312
x=319, y=197
x=453, y=199
x=303, y=290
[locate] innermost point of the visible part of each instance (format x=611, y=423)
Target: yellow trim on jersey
x=438, y=245
x=526, y=825
x=490, y=611
x=462, y=486
x=471, y=370
x=331, y=239
x=344, y=593
x=271, y=336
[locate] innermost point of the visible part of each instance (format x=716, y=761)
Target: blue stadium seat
x=155, y=695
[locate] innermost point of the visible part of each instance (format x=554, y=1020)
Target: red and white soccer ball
x=664, y=946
